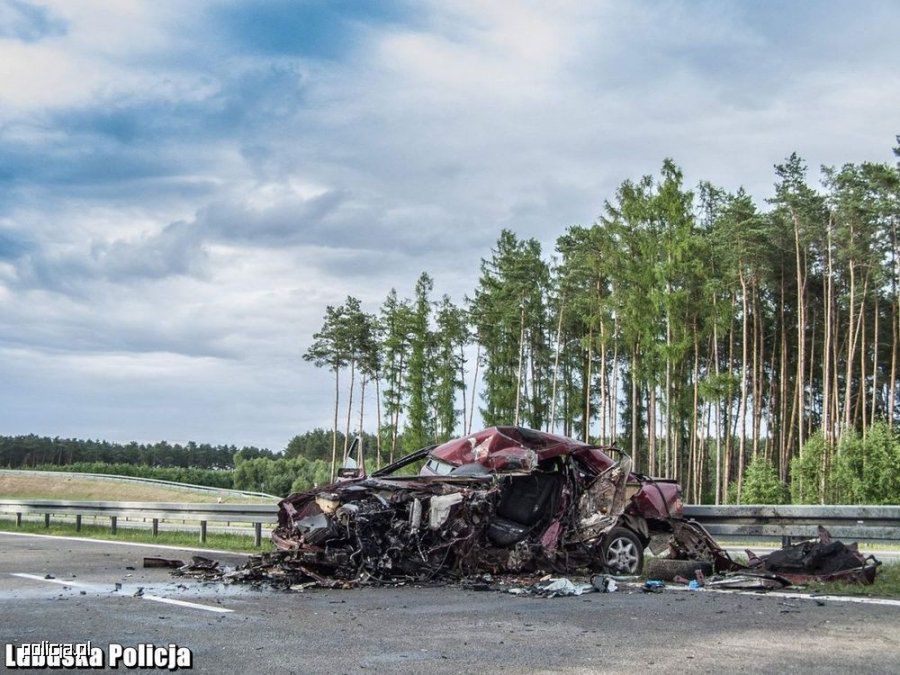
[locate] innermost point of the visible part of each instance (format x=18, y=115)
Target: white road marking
x=123, y=543
x=184, y=603
x=61, y=582
x=834, y=598
x=795, y=596
x=146, y=596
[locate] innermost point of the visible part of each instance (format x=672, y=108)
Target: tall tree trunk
x=337, y=395
x=848, y=366
x=703, y=459
x=521, y=352
x=895, y=324
x=810, y=371
x=613, y=407
x=634, y=408
x=398, y=398
x=892, y=386
x=669, y=450
x=757, y=370
x=718, y=403
x=729, y=422
x=361, y=454
x=696, y=378
x=349, y=408
x=378, y=421
x=525, y=392
x=770, y=416
x=587, y=387
x=552, y=421
x=603, y=392
x=651, y=423
x=742, y=413
x=801, y=331
x=875, y=347
x=826, y=370
x=474, y=387
x=782, y=388
x=462, y=381
x=860, y=417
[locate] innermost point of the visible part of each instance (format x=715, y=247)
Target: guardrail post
x=18, y=520
x=112, y=524
x=202, y=531
x=46, y=520
x=257, y=534
x=78, y=523
x=155, y=526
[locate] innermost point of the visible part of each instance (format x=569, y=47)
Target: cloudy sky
x=185, y=185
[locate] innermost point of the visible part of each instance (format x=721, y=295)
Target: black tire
x=623, y=551
x=666, y=569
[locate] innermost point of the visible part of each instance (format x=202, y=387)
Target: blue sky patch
x=28, y=22
x=320, y=29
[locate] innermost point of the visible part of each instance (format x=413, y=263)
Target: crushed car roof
x=506, y=448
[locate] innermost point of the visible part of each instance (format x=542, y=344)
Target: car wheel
x=623, y=552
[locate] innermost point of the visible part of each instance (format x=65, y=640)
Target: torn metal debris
x=162, y=562
x=202, y=568
x=816, y=560
x=820, y=559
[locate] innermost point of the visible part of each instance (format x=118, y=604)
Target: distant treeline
x=30, y=451
x=220, y=478
x=299, y=467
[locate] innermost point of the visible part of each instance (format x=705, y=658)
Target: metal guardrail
x=843, y=522
x=847, y=522
x=136, y=479
x=257, y=514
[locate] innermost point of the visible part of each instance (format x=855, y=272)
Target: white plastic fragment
x=439, y=509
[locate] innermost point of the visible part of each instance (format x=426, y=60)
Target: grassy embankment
x=887, y=584
x=78, y=488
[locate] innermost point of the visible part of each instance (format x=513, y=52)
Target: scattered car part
x=820, y=559
x=162, y=562
x=668, y=569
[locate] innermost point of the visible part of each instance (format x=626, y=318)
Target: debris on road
x=653, y=586
x=202, y=568
x=742, y=581
x=604, y=583
x=161, y=562
x=820, y=559
x=552, y=588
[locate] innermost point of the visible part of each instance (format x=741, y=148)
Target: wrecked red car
x=502, y=500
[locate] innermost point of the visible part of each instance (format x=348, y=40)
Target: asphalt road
x=424, y=629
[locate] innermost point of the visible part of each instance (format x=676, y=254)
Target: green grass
x=887, y=584
x=225, y=542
